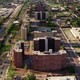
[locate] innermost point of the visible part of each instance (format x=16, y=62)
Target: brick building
x=18, y=59
x=46, y=43
x=19, y=54
x=46, y=61
x=41, y=12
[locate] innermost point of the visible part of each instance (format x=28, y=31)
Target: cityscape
x=39, y=39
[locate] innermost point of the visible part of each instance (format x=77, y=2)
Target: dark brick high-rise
x=52, y=43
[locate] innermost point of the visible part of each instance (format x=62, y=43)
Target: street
x=6, y=63
x=71, y=52
x=6, y=24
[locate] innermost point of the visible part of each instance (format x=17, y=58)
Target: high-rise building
x=41, y=15
x=46, y=43
x=24, y=32
x=19, y=53
x=41, y=12
x=18, y=58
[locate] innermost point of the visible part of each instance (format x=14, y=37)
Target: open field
x=55, y=5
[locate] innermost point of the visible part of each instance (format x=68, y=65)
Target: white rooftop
x=62, y=78
x=16, y=22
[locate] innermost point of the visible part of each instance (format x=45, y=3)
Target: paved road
x=6, y=64
x=71, y=52
x=2, y=33
x=6, y=24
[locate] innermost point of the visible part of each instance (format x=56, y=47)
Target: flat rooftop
x=17, y=46
x=54, y=31
x=62, y=78
x=46, y=37
x=60, y=52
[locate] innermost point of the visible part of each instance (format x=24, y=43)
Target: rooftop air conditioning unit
x=50, y=50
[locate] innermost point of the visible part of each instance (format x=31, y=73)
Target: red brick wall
x=18, y=59
x=57, y=45
x=48, y=62
x=36, y=45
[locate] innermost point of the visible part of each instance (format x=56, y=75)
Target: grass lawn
x=55, y=5
x=63, y=13
x=14, y=28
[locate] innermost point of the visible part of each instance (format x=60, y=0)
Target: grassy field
x=55, y=5
x=64, y=13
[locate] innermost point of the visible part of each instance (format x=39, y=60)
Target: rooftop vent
x=50, y=50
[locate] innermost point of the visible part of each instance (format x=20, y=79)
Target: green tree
x=78, y=22
x=30, y=76
x=74, y=24
x=26, y=67
x=11, y=73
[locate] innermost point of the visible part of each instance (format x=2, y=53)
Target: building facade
x=24, y=32
x=48, y=61
x=18, y=54
x=46, y=43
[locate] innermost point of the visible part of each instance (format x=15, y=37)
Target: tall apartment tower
x=18, y=58
x=44, y=44
x=41, y=15
x=41, y=12
x=24, y=33
x=18, y=54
